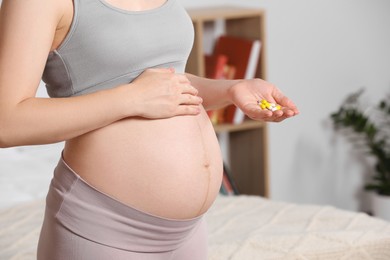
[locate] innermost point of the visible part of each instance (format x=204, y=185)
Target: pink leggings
x=82, y=223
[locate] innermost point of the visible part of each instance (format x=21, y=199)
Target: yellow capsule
x=264, y=104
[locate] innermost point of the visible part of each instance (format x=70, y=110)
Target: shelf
x=222, y=12
x=248, y=155
x=248, y=142
x=240, y=22
x=246, y=125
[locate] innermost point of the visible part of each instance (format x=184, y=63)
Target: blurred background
x=318, y=52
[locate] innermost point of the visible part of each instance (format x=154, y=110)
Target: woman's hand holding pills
x=261, y=100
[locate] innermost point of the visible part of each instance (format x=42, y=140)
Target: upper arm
x=27, y=29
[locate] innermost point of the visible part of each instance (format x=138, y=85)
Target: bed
x=242, y=228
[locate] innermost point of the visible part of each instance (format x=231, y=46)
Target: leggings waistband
x=89, y=213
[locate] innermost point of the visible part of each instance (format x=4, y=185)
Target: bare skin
x=154, y=148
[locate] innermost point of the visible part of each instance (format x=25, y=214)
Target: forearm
x=215, y=93
x=49, y=120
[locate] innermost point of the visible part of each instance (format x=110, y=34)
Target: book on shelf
x=215, y=66
x=241, y=57
x=242, y=53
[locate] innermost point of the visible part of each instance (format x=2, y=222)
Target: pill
x=264, y=104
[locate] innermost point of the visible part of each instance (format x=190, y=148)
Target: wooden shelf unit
x=248, y=142
x=241, y=22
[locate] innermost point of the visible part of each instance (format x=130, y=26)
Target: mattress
x=243, y=228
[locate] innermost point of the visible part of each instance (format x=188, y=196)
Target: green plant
x=369, y=128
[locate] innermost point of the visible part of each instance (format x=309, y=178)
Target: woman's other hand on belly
x=161, y=93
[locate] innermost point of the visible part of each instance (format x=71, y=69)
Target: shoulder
x=46, y=9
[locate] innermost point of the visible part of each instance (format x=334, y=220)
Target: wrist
x=234, y=89
x=124, y=105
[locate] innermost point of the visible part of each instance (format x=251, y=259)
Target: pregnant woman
x=141, y=162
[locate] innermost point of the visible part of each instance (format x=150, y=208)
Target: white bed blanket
x=243, y=228
x=247, y=227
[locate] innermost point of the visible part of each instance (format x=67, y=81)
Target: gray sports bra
x=107, y=46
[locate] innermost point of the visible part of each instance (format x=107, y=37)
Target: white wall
x=318, y=52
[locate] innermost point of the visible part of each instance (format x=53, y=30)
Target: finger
x=286, y=102
x=280, y=118
x=288, y=112
x=183, y=78
x=294, y=108
x=163, y=70
x=281, y=115
x=256, y=113
x=276, y=116
x=188, y=110
x=290, y=106
x=188, y=99
x=189, y=89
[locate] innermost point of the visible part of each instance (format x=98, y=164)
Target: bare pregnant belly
x=170, y=167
